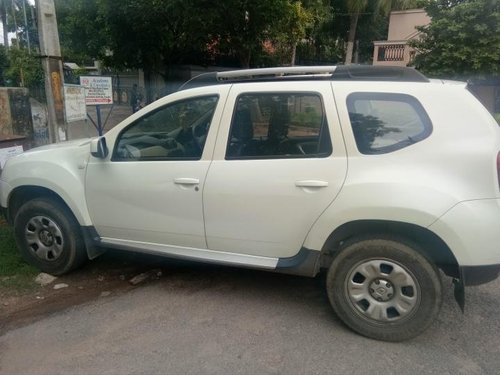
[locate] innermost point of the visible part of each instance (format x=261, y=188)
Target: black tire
x=49, y=237
x=383, y=288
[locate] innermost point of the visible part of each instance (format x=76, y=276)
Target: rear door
x=279, y=162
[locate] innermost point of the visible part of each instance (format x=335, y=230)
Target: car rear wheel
x=48, y=236
x=383, y=288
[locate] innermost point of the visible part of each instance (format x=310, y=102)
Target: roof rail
x=378, y=73
x=277, y=72
x=336, y=73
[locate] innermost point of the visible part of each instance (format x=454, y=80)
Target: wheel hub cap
x=44, y=238
x=382, y=290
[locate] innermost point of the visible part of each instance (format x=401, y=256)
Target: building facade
x=402, y=28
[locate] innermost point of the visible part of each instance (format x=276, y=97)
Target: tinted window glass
x=281, y=125
x=386, y=122
x=176, y=131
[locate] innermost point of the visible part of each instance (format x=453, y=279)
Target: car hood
x=57, y=153
x=61, y=145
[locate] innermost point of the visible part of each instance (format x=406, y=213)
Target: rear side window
x=277, y=126
x=384, y=123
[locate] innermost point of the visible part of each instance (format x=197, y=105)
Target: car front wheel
x=383, y=288
x=48, y=236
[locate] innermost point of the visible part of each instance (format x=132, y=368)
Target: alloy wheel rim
x=44, y=238
x=382, y=290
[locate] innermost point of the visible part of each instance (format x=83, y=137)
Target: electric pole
x=50, y=54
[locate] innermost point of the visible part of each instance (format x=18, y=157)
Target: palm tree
x=356, y=7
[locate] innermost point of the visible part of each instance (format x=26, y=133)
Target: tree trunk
x=350, y=39
x=294, y=54
x=3, y=16
x=245, y=56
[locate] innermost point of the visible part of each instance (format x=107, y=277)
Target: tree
x=356, y=7
x=241, y=27
x=4, y=64
x=462, y=40
x=3, y=19
x=24, y=69
x=16, y=17
x=80, y=30
x=153, y=34
x=325, y=34
x=291, y=29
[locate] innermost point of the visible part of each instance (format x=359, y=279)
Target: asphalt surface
x=213, y=320
x=110, y=116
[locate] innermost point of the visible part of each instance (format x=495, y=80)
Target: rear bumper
x=477, y=275
x=470, y=229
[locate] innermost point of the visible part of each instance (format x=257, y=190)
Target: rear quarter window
x=383, y=122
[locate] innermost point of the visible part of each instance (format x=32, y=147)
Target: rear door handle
x=311, y=183
x=186, y=181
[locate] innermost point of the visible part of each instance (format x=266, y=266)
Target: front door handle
x=186, y=181
x=311, y=183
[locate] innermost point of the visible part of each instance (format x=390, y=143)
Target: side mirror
x=98, y=148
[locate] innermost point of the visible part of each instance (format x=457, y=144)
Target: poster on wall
x=74, y=103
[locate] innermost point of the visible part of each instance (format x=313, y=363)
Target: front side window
x=278, y=125
x=175, y=132
x=384, y=123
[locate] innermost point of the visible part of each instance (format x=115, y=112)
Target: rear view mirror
x=98, y=148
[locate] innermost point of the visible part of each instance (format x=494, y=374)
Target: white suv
x=377, y=174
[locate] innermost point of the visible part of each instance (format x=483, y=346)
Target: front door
x=150, y=190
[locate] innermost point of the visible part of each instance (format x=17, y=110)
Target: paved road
x=210, y=320
x=113, y=114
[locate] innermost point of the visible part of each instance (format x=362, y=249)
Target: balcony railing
x=392, y=53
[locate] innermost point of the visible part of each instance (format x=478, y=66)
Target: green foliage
x=81, y=34
x=290, y=30
x=4, y=64
x=322, y=42
x=240, y=28
x=154, y=34
x=24, y=69
x=14, y=271
x=356, y=8
x=462, y=41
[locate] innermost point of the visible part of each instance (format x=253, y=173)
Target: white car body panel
x=476, y=240
x=58, y=167
x=400, y=187
x=147, y=201
x=254, y=210
x=255, y=206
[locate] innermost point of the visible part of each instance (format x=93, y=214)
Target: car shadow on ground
x=118, y=272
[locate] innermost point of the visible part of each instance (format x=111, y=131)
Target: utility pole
x=50, y=54
x=26, y=27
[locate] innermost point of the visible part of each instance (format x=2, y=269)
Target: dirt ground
x=110, y=274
